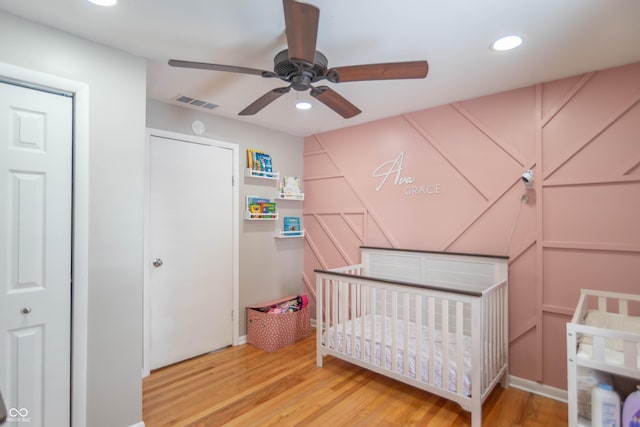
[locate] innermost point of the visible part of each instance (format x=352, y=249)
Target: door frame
x=235, y=252
x=80, y=224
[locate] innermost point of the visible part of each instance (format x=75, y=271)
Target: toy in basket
x=279, y=323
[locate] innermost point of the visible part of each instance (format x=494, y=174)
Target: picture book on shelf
x=292, y=225
x=258, y=160
x=263, y=162
x=259, y=206
x=251, y=157
x=291, y=186
x=268, y=208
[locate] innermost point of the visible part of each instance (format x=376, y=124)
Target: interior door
x=35, y=255
x=190, y=243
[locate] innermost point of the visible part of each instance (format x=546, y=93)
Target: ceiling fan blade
x=335, y=101
x=264, y=100
x=301, y=21
x=218, y=67
x=387, y=71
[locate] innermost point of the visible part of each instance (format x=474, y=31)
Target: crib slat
x=445, y=343
x=492, y=339
x=503, y=320
x=485, y=348
x=363, y=310
x=459, y=347
x=405, y=344
x=623, y=307
x=334, y=309
x=343, y=314
x=353, y=297
x=374, y=333
x=383, y=328
x=394, y=329
x=631, y=355
x=418, y=320
x=432, y=320
x=497, y=324
x=602, y=304
x=598, y=348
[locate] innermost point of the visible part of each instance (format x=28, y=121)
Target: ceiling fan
x=301, y=65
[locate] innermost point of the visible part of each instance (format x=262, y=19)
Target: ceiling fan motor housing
x=299, y=73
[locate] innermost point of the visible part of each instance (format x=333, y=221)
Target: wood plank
x=245, y=386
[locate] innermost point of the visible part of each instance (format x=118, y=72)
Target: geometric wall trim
x=448, y=179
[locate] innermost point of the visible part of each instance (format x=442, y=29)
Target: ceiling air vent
x=198, y=104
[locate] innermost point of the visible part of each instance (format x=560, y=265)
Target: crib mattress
x=333, y=338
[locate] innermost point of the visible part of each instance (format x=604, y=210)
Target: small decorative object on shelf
x=260, y=164
x=259, y=208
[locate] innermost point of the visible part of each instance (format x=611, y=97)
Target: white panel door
x=35, y=255
x=190, y=235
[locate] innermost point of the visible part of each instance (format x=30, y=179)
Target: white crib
x=603, y=336
x=436, y=321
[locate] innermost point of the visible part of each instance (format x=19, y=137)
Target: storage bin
x=271, y=331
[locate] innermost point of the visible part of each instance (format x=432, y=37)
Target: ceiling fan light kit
x=302, y=66
x=303, y=105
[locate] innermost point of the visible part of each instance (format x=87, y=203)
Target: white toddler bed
x=441, y=319
x=603, y=338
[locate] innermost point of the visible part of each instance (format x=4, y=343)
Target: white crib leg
x=476, y=416
x=319, y=354
x=504, y=380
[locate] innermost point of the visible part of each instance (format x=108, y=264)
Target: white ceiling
x=562, y=38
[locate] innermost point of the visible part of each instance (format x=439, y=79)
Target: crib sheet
x=335, y=340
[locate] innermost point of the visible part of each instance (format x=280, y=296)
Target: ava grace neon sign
x=393, y=168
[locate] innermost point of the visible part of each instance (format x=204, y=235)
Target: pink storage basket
x=271, y=331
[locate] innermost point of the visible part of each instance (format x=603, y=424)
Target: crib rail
x=353, y=309
x=600, y=338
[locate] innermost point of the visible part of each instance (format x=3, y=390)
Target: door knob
x=157, y=262
x=26, y=310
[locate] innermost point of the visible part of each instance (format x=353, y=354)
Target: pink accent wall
x=579, y=229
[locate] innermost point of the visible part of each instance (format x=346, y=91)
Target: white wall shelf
x=289, y=234
x=249, y=216
x=285, y=196
x=261, y=174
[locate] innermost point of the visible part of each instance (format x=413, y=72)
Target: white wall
x=269, y=267
x=116, y=84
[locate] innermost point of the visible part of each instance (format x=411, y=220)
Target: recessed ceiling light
x=507, y=43
x=303, y=105
x=104, y=2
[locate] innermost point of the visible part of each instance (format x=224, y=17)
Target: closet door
x=190, y=245
x=35, y=255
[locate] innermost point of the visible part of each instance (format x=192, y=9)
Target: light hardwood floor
x=244, y=386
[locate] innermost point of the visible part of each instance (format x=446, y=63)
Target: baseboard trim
x=242, y=340
x=140, y=424
x=537, y=388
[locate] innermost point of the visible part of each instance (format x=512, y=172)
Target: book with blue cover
x=292, y=225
